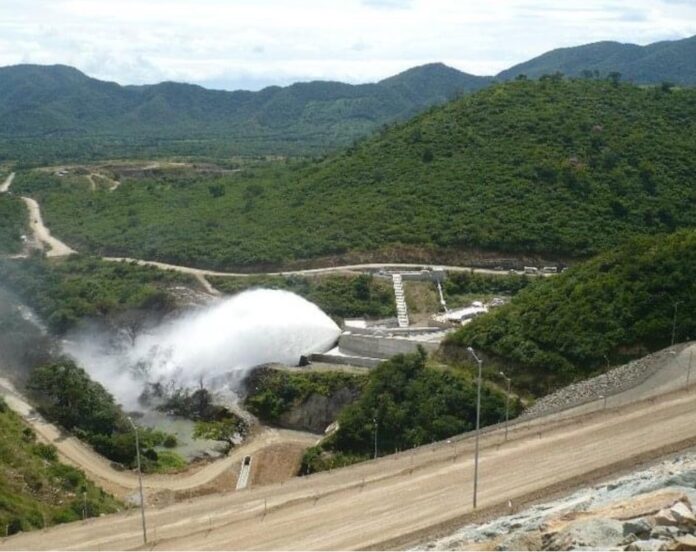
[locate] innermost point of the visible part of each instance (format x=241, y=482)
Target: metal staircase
x=401, y=309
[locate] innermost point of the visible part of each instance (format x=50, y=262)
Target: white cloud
x=252, y=43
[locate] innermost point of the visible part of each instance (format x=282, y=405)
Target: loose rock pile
x=610, y=383
x=648, y=510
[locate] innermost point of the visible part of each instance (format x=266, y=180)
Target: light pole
x=374, y=421
x=674, y=321
x=140, y=479
x=688, y=372
x=507, y=403
x=478, y=422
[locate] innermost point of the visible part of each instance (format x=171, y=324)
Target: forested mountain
x=616, y=306
x=668, y=61
x=40, y=102
x=560, y=168
x=54, y=113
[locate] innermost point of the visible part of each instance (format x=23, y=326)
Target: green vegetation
x=78, y=117
x=193, y=405
x=168, y=461
x=340, y=296
x=617, y=306
x=64, y=292
x=273, y=393
x=213, y=422
x=413, y=405
x=230, y=430
x=551, y=167
x=460, y=286
x=13, y=219
x=54, y=113
x=667, y=61
x=36, y=490
x=66, y=395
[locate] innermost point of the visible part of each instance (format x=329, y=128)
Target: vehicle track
x=5, y=186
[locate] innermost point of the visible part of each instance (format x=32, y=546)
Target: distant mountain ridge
x=672, y=61
x=40, y=101
x=91, y=117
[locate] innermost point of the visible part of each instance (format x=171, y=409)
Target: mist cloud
x=216, y=345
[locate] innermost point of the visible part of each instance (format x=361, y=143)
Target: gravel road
x=123, y=483
x=397, y=500
x=5, y=186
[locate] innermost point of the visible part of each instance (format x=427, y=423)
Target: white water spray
x=219, y=343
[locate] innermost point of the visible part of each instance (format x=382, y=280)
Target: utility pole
x=674, y=321
x=507, y=403
x=374, y=420
x=478, y=422
x=140, y=479
x=688, y=372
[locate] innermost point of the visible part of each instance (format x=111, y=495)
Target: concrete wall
x=396, y=332
x=381, y=347
x=363, y=362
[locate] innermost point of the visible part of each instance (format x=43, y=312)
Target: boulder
x=650, y=544
x=594, y=533
x=664, y=532
x=685, y=542
x=520, y=540
x=683, y=514
x=665, y=517
x=640, y=527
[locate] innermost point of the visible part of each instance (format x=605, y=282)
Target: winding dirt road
x=56, y=248
x=308, y=271
x=397, y=500
x=5, y=186
x=123, y=483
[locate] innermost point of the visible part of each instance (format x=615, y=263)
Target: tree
x=228, y=430
x=615, y=78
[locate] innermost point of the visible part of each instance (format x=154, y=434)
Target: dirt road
x=5, y=186
x=309, y=271
x=56, y=248
x=123, y=483
x=397, y=499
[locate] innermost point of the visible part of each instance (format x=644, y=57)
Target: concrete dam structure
x=367, y=347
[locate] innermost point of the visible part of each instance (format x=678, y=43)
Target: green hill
x=39, y=104
x=36, y=490
x=670, y=61
x=550, y=168
x=13, y=218
x=55, y=113
x=617, y=306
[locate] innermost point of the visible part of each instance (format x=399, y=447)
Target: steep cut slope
x=36, y=490
x=551, y=168
x=671, y=61
x=622, y=304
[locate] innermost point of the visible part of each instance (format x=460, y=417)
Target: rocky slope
x=651, y=509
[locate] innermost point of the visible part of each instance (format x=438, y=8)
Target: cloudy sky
x=254, y=43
